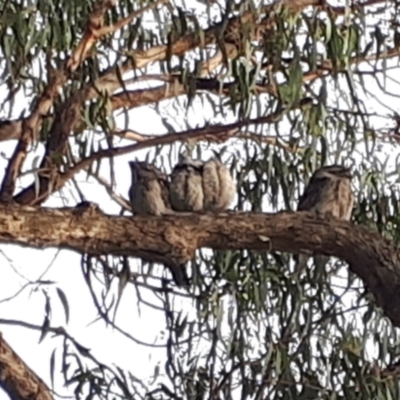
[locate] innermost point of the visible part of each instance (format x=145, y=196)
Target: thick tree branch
x=30, y=126
x=17, y=379
x=110, y=81
x=68, y=117
x=175, y=238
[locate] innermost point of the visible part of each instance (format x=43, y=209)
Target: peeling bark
x=175, y=238
x=17, y=379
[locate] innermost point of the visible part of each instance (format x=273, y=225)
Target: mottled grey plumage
x=197, y=185
x=218, y=186
x=328, y=192
x=149, y=195
x=186, y=190
x=149, y=190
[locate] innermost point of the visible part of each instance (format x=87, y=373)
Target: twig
x=107, y=185
x=94, y=24
x=95, y=30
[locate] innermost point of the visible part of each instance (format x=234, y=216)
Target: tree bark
x=17, y=379
x=174, y=238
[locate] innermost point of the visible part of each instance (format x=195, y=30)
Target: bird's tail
x=179, y=274
x=300, y=263
x=302, y=259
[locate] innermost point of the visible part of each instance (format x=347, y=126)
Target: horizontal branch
x=230, y=134
x=175, y=238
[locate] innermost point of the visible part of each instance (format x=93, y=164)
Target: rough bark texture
x=175, y=238
x=17, y=379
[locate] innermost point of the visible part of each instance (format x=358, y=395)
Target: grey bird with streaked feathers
x=201, y=186
x=149, y=193
x=186, y=187
x=327, y=193
x=218, y=186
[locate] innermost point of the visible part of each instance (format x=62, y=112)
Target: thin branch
x=215, y=133
x=110, y=81
x=95, y=30
x=125, y=21
x=93, y=26
x=69, y=118
x=120, y=200
x=57, y=331
x=31, y=125
x=246, y=135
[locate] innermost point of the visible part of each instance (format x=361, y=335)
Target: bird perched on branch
x=149, y=194
x=218, y=186
x=186, y=188
x=197, y=185
x=328, y=193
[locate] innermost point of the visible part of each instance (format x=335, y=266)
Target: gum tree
x=278, y=89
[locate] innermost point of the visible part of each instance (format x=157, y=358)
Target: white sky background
x=28, y=264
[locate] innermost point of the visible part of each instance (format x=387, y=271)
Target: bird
x=218, y=186
x=198, y=185
x=149, y=195
x=327, y=193
x=149, y=192
x=186, y=187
